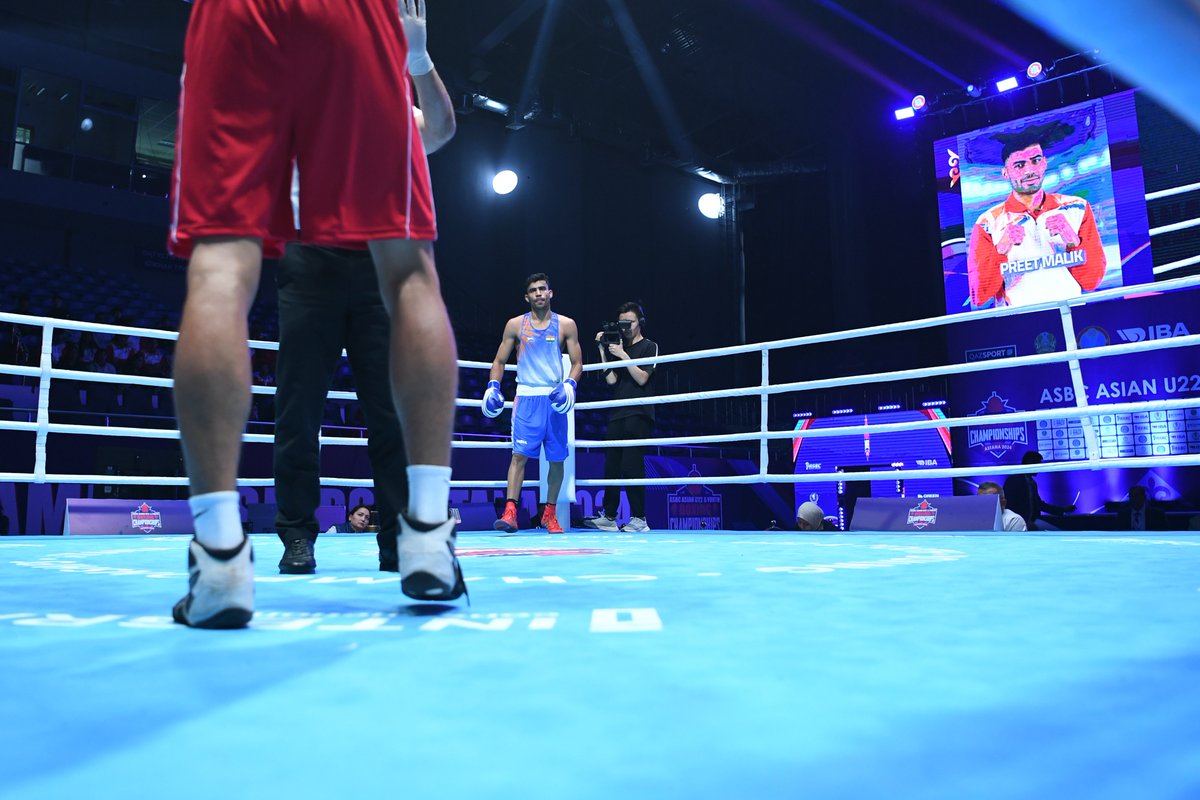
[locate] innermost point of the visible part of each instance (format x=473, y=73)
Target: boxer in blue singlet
x=544, y=396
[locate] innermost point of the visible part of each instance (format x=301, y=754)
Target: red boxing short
x=323, y=83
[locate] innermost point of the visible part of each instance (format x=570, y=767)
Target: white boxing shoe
x=220, y=587
x=429, y=568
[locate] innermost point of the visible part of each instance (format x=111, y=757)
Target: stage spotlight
x=488, y=104
x=1006, y=84
x=504, y=182
x=918, y=102
x=711, y=205
x=974, y=90
x=905, y=113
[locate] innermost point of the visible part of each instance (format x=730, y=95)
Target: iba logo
x=145, y=518
x=922, y=515
x=1153, y=332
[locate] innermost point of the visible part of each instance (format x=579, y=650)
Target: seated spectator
x=1138, y=515
x=268, y=357
x=810, y=518
x=102, y=397
x=87, y=350
x=1022, y=495
x=68, y=358
x=154, y=361
x=264, y=374
x=123, y=352
x=1009, y=519
x=357, y=521
x=56, y=349
x=101, y=362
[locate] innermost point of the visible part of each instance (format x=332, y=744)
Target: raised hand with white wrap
x=493, y=400
x=412, y=18
x=562, y=398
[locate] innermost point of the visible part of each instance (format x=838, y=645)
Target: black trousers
x=328, y=300
x=626, y=462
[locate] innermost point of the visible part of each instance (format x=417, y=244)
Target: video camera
x=614, y=332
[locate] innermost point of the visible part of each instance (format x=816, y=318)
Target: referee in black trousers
x=329, y=300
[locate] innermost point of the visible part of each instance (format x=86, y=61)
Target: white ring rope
x=1191, y=187
x=895, y=427
x=798, y=386
x=1175, y=226
x=1174, y=265
x=908, y=374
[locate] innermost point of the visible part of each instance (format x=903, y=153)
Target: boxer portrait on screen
x=1036, y=246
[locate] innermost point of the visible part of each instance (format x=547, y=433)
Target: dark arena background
x=801, y=195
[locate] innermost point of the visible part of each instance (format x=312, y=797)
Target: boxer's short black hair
x=535, y=277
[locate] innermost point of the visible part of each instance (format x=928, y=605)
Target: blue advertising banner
x=929, y=515
x=1159, y=375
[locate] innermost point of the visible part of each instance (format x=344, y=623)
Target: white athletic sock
x=218, y=519
x=428, y=493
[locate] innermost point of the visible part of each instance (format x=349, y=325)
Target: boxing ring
x=593, y=665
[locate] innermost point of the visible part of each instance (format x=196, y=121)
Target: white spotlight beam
x=654, y=83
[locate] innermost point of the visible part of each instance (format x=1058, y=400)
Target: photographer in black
x=623, y=341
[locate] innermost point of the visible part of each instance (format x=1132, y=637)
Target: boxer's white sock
x=218, y=519
x=428, y=493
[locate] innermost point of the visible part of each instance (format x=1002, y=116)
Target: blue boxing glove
x=493, y=400
x=562, y=399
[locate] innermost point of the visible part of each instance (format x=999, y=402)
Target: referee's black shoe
x=298, y=558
